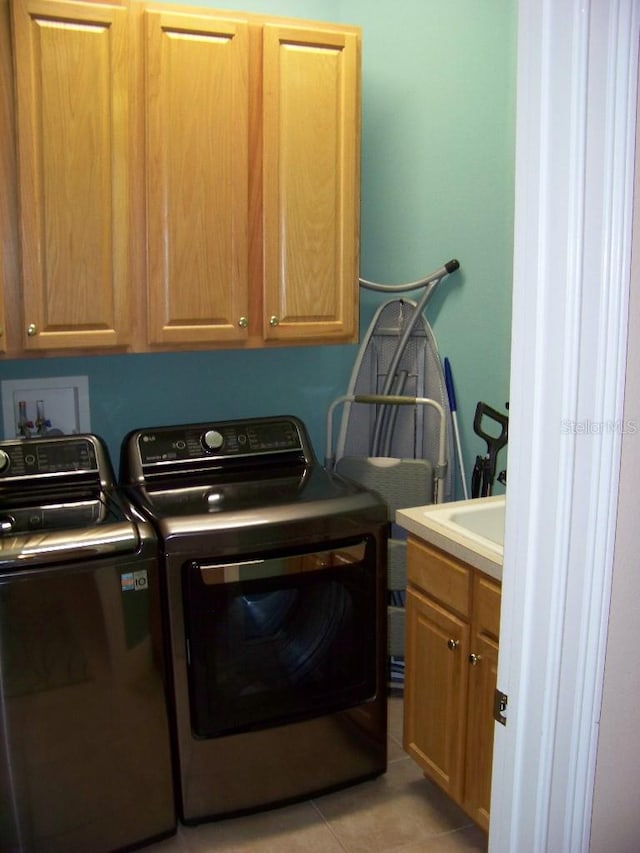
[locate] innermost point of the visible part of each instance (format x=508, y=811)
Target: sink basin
x=482, y=519
x=472, y=530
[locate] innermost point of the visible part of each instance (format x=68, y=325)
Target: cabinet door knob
x=243, y=322
x=32, y=329
x=453, y=644
x=273, y=321
x=474, y=659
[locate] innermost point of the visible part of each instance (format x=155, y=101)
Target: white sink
x=478, y=518
x=472, y=530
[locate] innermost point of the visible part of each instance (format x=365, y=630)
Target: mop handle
x=448, y=379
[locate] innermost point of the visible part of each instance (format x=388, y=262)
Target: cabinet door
x=8, y=207
x=197, y=177
x=72, y=96
x=2, y=327
x=483, y=669
x=436, y=652
x=310, y=183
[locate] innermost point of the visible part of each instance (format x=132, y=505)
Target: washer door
x=280, y=637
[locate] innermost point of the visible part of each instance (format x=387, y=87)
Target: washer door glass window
x=280, y=637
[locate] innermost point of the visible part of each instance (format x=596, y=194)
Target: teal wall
x=438, y=116
x=438, y=159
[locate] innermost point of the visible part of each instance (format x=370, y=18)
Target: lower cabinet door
x=436, y=661
x=480, y=728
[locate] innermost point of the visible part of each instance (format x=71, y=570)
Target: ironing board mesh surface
x=408, y=432
x=401, y=482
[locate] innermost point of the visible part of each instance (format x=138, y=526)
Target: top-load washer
x=274, y=580
x=85, y=759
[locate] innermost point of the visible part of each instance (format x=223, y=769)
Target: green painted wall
x=438, y=116
x=438, y=176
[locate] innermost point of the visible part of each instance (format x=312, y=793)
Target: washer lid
x=59, y=503
x=45, y=548
x=311, y=501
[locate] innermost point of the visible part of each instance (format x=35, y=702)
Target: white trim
x=577, y=66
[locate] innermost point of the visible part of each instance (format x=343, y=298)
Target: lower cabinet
x=451, y=655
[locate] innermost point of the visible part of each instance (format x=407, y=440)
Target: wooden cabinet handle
x=474, y=659
x=453, y=644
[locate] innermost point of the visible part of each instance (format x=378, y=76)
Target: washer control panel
x=41, y=458
x=223, y=441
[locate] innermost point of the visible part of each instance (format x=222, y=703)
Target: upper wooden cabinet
x=311, y=182
x=252, y=170
x=8, y=202
x=197, y=168
x=186, y=178
x=72, y=98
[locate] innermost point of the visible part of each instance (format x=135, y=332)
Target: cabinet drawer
x=487, y=606
x=446, y=580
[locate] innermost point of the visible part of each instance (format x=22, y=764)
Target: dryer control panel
x=215, y=446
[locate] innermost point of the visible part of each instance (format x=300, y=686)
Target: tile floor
x=400, y=811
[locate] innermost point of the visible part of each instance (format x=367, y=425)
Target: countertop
x=433, y=524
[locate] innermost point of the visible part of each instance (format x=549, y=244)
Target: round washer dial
x=212, y=439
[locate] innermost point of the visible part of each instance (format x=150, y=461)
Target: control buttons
x=212, y=439
x=4, y=461
x=7, y=523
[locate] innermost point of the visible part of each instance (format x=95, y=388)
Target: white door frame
x=576, y=116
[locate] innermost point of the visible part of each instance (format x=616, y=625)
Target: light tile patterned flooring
x=400, y=811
